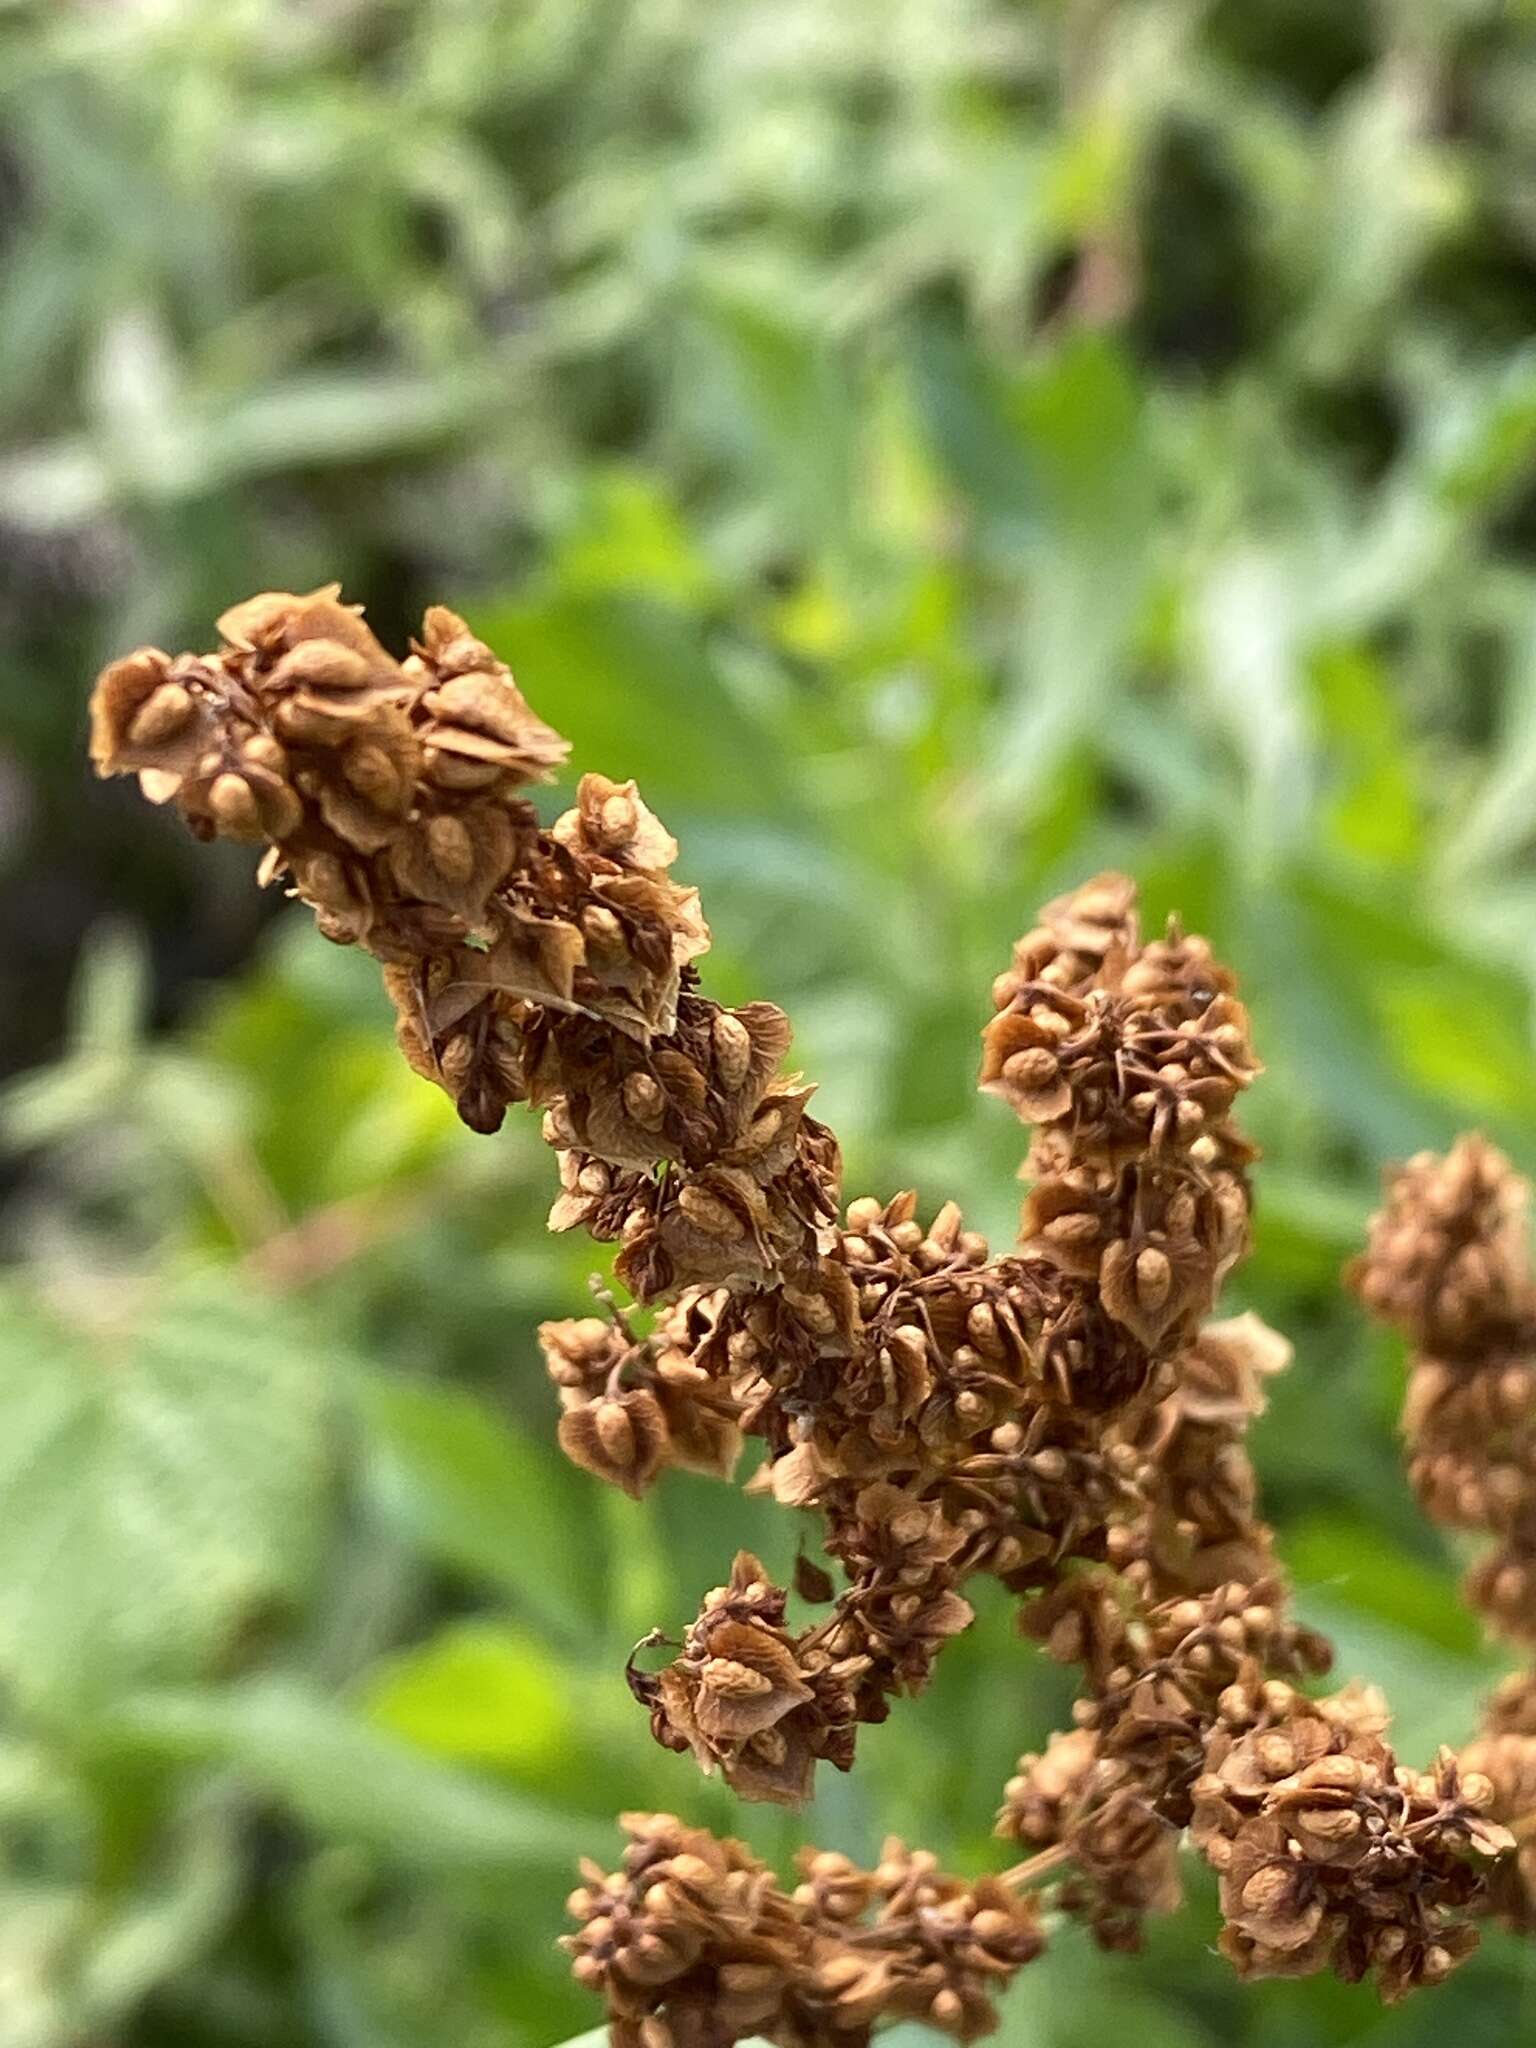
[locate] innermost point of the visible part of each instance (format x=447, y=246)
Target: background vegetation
x=941, y=450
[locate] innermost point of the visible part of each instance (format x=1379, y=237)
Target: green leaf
x=109, y=1001
x=478, y=1496
x=162, y=1488
x=629, y=682
x=1076, y=424
x=352, y=1782
x=476, y=1693
x=1360, y=1563
x=786, y=395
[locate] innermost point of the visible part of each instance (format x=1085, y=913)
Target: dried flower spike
x=1061, y=1416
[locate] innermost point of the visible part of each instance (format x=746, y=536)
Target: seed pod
x=451, y=849
x=234, y=807
x=622, y=1439
x=161, y=716
x=733, y=1050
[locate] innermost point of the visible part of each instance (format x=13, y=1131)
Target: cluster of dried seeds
x=693, y=1945
x=1447, y=1263
x=1062, y=1417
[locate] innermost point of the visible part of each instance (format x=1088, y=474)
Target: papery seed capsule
x=452, y=771
x=909, y=1344
x=842, y=1970
x=322, y=665
x=161, y=716
x=372, y=773
x=817, y=1315
x=981, y=1328
x=456, y=1060
x=601, y=928
x=1034, y=1068
x=618, y=819
x=1074, y=1230
x=733, y=1680
x=733, y=1049
x=654, y=1958
x=233, y=804
x=451, y=849
x=615, y=1433
x=1154, y=1277
x=644, y=1101
x=262, y=751
x=707, y=1213
x=308, y=724
x=765, y=1128
x=909, y=1525
x=948, y=2009
x=281, y=810
x=944, y=1230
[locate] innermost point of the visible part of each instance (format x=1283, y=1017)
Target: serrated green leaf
x=162, y=1487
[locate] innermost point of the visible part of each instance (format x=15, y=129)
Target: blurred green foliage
x=940, y=450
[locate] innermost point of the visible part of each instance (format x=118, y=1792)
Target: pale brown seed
x=733, y=1049
x=451, y=849
x=161, y=716
x=233, y=804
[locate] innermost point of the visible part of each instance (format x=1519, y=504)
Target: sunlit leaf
x=475, y=1494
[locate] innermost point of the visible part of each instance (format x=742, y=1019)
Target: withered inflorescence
x=1063, y=1417
x=1447, y=1265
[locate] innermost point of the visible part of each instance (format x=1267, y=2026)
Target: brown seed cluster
x=632, y=1406
x=693, y=1945
x=524, y=965
x=1504, y=1752
x=1161, y=1683
x=1447, y=1263
x=1331, y=1854
x=947, y=1412
x=1062, y=1416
